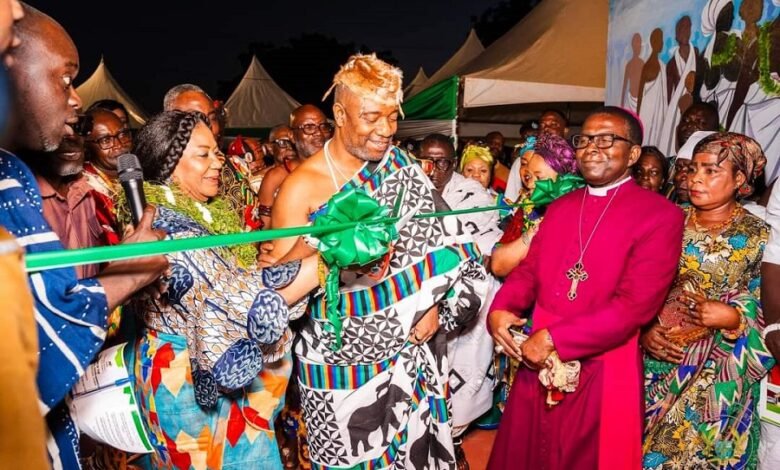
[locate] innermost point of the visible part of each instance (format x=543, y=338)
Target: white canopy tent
x=557, y=53
x=101, y=85
x=417, y=84
x=427, y=111
x=258, y=102
x=470, y=49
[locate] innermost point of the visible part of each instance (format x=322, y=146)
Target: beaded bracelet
x=732, y=335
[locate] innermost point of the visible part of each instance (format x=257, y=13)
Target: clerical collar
x=603, y=190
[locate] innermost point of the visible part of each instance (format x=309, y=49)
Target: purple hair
x=557, y=153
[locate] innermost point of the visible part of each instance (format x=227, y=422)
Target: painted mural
x=664, y=55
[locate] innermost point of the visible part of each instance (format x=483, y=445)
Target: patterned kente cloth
x=214, y=361
x=379, y=401
x=702, y=413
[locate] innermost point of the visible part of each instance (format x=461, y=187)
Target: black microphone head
x=129, y=168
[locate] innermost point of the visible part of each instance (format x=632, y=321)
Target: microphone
x=132, y=178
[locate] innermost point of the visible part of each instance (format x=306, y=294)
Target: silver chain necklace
x=577, y=272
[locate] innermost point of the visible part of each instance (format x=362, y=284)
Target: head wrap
x=475, y=152
x=557, y=153
x=709, y=15
x=530, y=141
x=744, y=153
x=237, y=147
x=513, y=183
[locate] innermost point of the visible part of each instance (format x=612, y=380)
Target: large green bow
x=360, y=245
x=548, y=190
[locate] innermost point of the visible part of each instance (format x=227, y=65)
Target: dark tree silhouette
x=497, y=20
x=303, y=66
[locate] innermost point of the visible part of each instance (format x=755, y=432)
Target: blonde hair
x=475, y=152
x=366, y=75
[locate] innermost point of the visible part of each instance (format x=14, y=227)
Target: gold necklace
x=736, y=212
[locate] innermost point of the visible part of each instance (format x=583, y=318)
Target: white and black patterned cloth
x=380, y=401
x=470, y=346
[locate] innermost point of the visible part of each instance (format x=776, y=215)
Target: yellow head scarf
x=473, y=152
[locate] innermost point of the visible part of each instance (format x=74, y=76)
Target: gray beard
x=71, y=169
x=46, y=145
x=361, y=154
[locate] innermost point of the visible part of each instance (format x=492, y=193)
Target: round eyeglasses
x=311, y=129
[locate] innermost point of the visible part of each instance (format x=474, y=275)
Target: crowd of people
x=600, y=303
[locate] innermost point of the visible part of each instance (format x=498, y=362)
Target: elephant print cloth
x=380, y=401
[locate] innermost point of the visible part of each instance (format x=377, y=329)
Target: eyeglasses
x=441, y=164
x=311, y=129
x=602, y=141
x=107, y=142
x=283, y=143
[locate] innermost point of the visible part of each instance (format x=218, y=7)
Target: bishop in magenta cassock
x=627, y=239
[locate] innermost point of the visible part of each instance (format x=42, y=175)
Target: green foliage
x=223, y=219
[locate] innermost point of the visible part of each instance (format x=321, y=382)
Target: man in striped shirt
x=71, y=315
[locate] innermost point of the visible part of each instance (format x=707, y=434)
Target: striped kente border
x=372, y=181
x=439, y=410
x=399, y=286
x=369, y=180
x=332, y=377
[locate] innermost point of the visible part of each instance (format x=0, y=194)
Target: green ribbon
x=365, y=242
x=42, y=261
x=548, y=190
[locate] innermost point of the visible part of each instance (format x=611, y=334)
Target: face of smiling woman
x=198, y=170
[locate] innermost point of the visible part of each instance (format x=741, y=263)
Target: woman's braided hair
x=161, y=142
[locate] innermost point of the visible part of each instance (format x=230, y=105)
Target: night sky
x=150, y=46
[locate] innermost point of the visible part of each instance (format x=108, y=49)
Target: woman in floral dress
x=213, y=360
x=705, y=357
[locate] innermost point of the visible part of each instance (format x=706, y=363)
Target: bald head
x=301, y=112
x=310, y=130
x=44, y=68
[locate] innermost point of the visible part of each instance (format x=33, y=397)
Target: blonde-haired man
x=379, y=398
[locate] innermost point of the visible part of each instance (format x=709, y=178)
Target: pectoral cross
x=577, y=274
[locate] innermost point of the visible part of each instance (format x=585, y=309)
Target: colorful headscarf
x=529, y=144
x=514, y=184
x=743, y=152
x=475, y=152
x=557, y=153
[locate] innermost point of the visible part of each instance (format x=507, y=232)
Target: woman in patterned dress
x=705, y=356
x=213, y=360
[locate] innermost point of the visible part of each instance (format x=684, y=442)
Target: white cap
x=686, y=151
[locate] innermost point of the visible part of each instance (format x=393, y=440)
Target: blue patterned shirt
x=70, y=314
